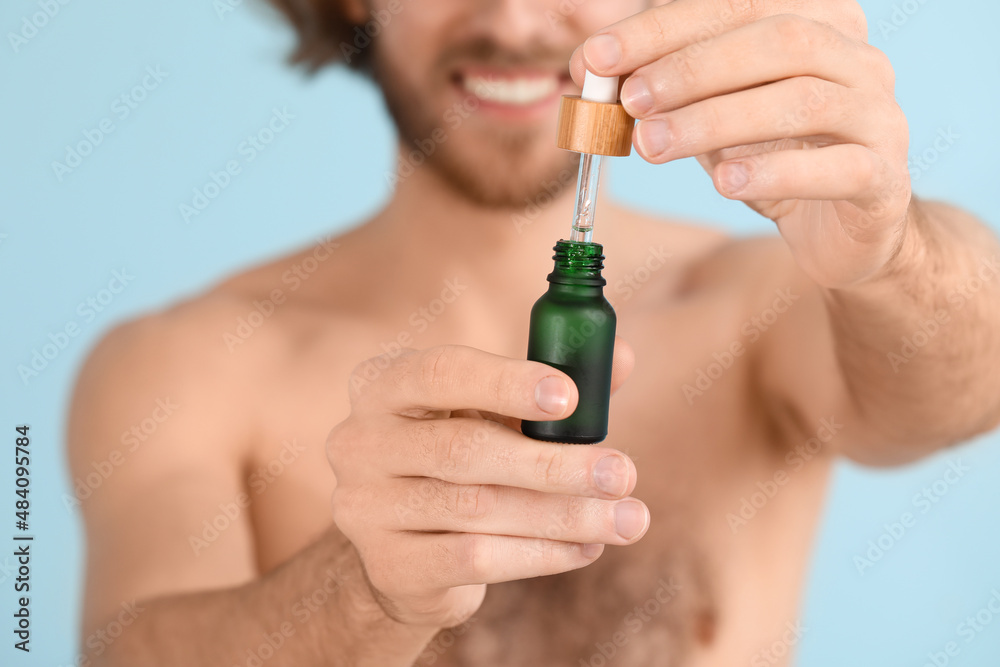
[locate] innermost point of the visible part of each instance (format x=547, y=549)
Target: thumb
x=621, y=368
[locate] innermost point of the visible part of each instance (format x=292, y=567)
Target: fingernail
x=653, y=137
x=602, y=52
x=591, y=550
x=630, y=518
x=552, y=394
x=636, y=97
x=733, y=177
x=611, y=475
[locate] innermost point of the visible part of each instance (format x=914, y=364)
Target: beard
x=502, y=168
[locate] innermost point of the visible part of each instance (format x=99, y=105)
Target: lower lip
x=542, y=109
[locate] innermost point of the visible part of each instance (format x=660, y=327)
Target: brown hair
x=326, y=34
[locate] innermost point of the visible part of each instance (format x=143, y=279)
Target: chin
x=507, y=172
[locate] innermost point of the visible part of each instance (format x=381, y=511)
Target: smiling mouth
x=511, y=89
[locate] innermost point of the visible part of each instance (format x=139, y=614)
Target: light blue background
x=119, y=209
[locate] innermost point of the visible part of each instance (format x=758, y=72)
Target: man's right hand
x=441, y=494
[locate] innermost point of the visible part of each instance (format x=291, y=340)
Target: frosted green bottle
x=573, y=329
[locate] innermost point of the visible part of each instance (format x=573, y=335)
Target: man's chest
x=646, y=605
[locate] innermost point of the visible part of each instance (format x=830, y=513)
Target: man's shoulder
x=707, y=256
x=242, y=327
x=217, y=354
x=168, y=363
x=180, y=345
x=687, y=236
x=742, y=265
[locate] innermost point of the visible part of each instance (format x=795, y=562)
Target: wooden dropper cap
x=595, y=122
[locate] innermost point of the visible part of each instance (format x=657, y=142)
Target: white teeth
x=520, y=91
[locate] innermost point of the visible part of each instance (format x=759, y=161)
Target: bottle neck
x=578, y=264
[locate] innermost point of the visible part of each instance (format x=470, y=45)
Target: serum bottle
x=573, y=325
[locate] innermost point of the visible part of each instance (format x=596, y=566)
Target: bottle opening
x=578, y=263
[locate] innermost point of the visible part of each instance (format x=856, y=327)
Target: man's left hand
x=785, y=105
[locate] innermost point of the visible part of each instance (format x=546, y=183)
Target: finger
x=476, y=451
x=778, y=47
x=640, y=39
x=461, y=559
x=840, y=172
x=621, y=368
x=423, y=504
x=454, y=377
x=801, y=108
x=623, y=363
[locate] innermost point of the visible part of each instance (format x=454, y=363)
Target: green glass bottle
x=573, y=329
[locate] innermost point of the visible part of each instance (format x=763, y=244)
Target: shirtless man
x=750, y=362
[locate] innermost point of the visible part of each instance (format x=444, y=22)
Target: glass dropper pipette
x=587, y=186
x=603, y=89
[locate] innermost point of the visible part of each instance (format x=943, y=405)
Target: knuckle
x=435, y=366
x=372, y=370
x=419, y=502
x=378, y=572
x=476, y=556
x=402, y=372
x=838, y=109
x=345, y=503
x=421, y=441
x=572, y=515
x=746, y=11
x=448, y=558
x=473, y=501
x=711, y=123
x=505, y=385
x=887, y=128
x=796, y=33
x=882, y=66
x=550, y=556
x=446, y=448
x=687, y=70
x=428, y=494
x=818, y=105
x=549, y=466
x=653, y=23
x=340, y=442
x=856, y=18
x=455, y=450
x=899, y=126
x=338, y=503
